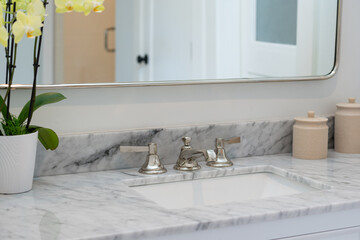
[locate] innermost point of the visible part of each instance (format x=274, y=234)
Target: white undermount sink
x=212, y=191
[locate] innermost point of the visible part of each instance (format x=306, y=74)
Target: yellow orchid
x=27, y=17
x=22, y=4
x=4, y=35
x=26, y=24
x=31, y=13
x=93, y=5
x=2, y=20
x=85, y=6
x=98, y=6
x=36, y=8
x=63, y=6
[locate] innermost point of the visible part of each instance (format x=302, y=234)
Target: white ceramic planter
x=17, y=163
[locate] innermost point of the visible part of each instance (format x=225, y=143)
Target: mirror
x=189, y=41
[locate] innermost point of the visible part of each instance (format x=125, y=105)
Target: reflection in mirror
x=167, y=40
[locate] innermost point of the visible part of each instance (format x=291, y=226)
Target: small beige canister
x=310, y=137
x=347, y=127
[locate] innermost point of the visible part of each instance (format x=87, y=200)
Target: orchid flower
x=28, y=24
x=4, y=35
x=63, y=6
x=21, y=4
x=36, y=8
x=93, y=5
x=85, y=6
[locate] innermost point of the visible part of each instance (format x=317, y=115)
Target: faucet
x=152, y=164
x=187, y=158
x=221, y=159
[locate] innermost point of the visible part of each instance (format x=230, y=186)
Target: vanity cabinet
x=342, y=234
x=341, y=225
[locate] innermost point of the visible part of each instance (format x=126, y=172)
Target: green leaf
x=41, y=100
x=48, y=138
x=4, y=108
x=33, y=128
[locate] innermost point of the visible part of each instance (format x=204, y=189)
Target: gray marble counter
x=100, y=205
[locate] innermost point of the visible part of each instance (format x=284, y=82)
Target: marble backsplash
x=100, y=151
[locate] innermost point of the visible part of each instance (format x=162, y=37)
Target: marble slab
x=100, y=151
x=100, y=205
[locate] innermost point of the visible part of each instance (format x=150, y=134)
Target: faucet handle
x=233, y=140
x=221, y=159
x=220, y=142
x=152, y=164
x=126, y=149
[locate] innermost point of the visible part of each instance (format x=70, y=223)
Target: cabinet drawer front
x=341, y=234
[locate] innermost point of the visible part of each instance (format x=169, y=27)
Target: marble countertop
x=100, y=205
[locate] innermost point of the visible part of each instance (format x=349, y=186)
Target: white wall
x=104, y=109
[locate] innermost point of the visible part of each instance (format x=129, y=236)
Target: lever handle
x=220, y=142
x=233, y=140
x=151, y=148
x=133, y=149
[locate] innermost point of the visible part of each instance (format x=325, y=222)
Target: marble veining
x=100, y=205
x=100, y=151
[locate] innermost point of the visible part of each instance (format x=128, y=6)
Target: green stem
x=12, y=62
x=11, y=73
x=37, y=48
x=8, y=63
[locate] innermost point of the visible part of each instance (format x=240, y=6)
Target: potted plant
x=18, y=138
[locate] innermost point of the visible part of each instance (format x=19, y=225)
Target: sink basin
x=212, y=191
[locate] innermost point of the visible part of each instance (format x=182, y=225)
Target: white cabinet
x=341, y=225
x=342, y=234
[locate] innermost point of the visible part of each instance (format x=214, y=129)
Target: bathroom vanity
x=87, y=189
x=105, y=205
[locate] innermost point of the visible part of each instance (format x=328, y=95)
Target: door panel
x=84, y=56
x=271, y=55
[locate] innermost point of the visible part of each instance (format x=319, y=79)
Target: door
x=80, y=52
x=278, y=37
x=160, y=30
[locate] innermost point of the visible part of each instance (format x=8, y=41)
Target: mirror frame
x=207, y=81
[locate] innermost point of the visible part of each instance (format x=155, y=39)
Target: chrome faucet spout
x=187, y=158
x=187, y=154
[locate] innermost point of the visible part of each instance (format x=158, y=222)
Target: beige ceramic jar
x=347, y=127
x=310, y=137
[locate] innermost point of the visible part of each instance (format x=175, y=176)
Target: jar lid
x=311, y=118
x=351, y=104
